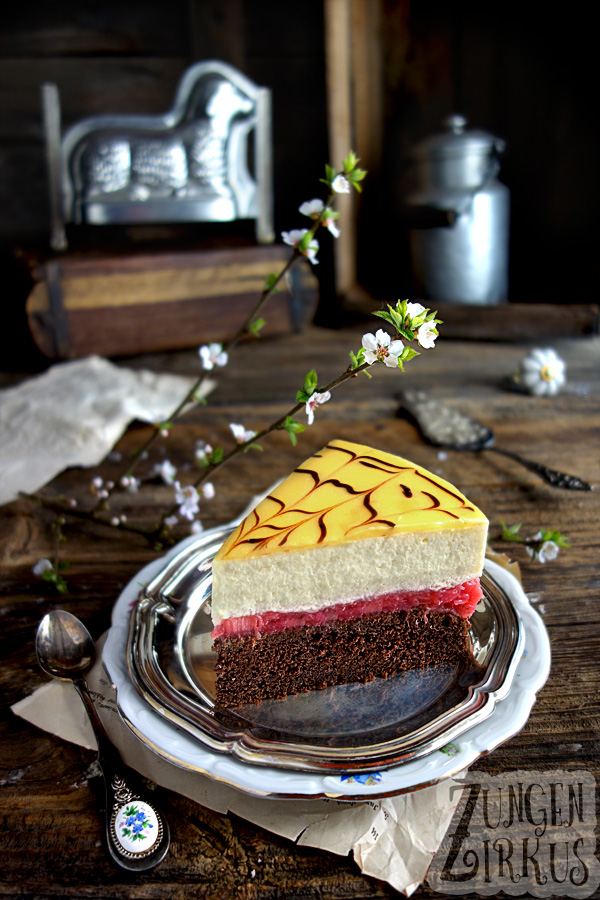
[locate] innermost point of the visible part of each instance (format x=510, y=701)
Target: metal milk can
x=459, y=217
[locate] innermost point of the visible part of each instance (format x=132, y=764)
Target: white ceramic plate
x=174, y=745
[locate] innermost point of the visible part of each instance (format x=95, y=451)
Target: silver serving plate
x=349, y=728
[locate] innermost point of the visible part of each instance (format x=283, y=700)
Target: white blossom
x=313, y=401
x=188, y=500
x=311, y=252
x=414, y=309
x=340, y=185
x=208, y=490
x=196, y=527
x=293, y=238
x=316, y=209
x=331, y=225
x=171, y=521
x=312, y=208
x=130, y=483
x=212, y=355
x=543, y=372
x=240, y=433
x=202, y=451
x=41, y=566
x=166, y=470
x=379, y=348
x=427, y=334
x=546, y=553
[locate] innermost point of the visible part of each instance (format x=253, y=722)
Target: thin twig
x=212, y=467
x=191, y=395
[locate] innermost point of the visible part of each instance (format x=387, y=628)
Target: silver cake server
x=444, y=426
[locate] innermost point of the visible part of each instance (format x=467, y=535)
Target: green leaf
x=355, y=178
x=252, y=447
x=330, y=174
x=511, y=532
x=382, y=314
x=308, y=388
x=408, y=353
x=350, y=162
x=292, y=427
x=555, y=536
x=216, y=456
x=305, y=241
x=395, y=316
x=270, y=283
x=357, y=358
x=256, y=326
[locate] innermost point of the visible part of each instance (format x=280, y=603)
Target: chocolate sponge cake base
x=273, y=666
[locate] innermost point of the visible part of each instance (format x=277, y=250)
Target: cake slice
x=358, y=565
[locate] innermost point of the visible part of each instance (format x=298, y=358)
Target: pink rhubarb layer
x=461, y=600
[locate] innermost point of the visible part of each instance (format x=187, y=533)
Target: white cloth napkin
x=73, y=415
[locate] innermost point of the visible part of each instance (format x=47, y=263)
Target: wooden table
x=52, y=824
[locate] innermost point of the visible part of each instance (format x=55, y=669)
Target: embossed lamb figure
x=181, y=163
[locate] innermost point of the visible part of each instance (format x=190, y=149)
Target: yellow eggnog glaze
x=348, y=492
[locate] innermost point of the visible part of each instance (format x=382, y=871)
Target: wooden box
x=121, y=306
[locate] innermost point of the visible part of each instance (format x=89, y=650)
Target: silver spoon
x=137, y=833
x=444, y=426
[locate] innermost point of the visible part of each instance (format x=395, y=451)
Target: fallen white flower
x=542, y=372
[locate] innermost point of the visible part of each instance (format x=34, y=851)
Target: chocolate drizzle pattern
x=345, y=492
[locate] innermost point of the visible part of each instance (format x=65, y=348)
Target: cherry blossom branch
x=63, y=508
x=411, y=321
x=542, y=546
x=304, y=244
x=243, y=446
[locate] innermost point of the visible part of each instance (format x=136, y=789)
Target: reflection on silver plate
x=347, y=728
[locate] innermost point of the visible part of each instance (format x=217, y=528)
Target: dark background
x=522, y=72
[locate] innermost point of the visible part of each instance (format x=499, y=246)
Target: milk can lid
x=455, y=141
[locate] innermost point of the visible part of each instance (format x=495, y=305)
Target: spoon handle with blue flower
x=137, y=833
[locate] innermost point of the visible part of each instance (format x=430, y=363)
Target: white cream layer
x=314, y=577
